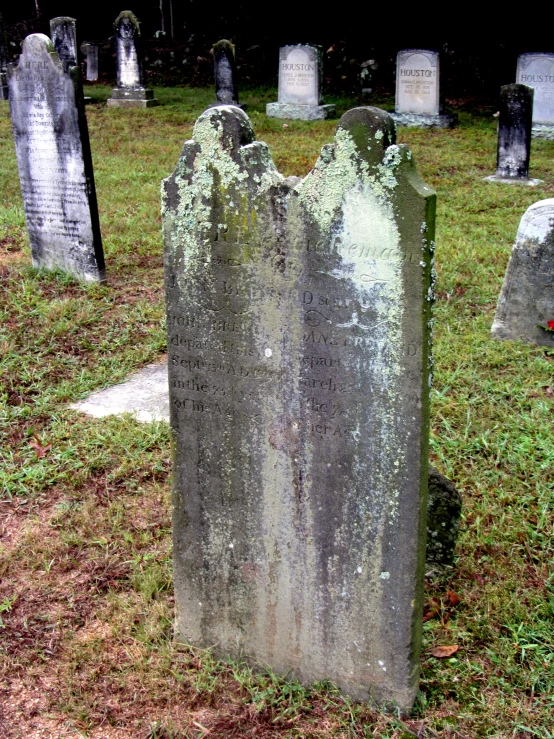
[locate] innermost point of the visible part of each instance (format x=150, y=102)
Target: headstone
x=130, y=92
x=537, y=71
x=54, y=161
x=3, y=61
x=526, y=303
x=298, y=316
x=64, y=37
x=90, y=51
x=225, y=69
x=444, y=509
x=418, y=101
x=514, y=136
x=300, y=89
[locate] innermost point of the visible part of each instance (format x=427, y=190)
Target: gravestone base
x=527, y=181
x=123, y=97
x=422, y=120
x=543, y=131
x=294, y=111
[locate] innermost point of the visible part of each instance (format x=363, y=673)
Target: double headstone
x=298, y=315
x=418, y=99
x=3, y=61
x=90, y=50
x=64, y=37
x=130, y=91
x=300, y=85
x=514, y=136
x=537, y=71
x=225, y=70
x=54, y=161
x=526, y=304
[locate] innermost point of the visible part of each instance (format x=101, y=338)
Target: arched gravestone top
x=526, y=302
x=54, y=162
x=298, y=316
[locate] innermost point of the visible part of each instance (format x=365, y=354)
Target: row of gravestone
x=418, y=96
x=299, y=341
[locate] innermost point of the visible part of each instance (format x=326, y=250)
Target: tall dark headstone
x=298, y=315
x=54, y=161
x=3, y=61
x=64, y=37
x=225, y=69
x=90, y=50
x=514, y=136
x=525, y=307
x=130, y=91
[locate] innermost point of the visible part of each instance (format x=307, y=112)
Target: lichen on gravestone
x=298, y=318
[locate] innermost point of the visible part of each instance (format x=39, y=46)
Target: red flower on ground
x=550, y=324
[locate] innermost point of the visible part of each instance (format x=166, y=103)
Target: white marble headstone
x=417, y=82
x=128, y=67
x=537, y=71
x=299, y=75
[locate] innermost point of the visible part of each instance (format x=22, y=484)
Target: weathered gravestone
x=526, y=303
x=298, y=316
x=225, y=70
x=537, y=71
x=418, y=100
x=130, y=91
x=514, y=136
x=90, y=50
x=3, y=61
x=444, y=508
x=64, y=37
x=300, y=85
x=54, y=161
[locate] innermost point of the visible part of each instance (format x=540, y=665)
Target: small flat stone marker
x=225, y=71
x=298, y=317
x=54, y=161
x=418, y=100
x=130, y=91
x=526, y=303
x=300, y=85
x=144, y=395
x=537, y=71
x=64, y=37
x=514, y=136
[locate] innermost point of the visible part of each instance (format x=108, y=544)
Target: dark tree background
x=477, y=56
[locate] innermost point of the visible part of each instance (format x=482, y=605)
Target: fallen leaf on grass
x=441, y=652
x=39, y=449
x=452, y=598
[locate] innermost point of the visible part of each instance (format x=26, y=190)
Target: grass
x=85, y=593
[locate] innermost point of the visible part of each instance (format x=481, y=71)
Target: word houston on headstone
x=514, y=136
x=300, y=77
x=298, y=317
x=54, y=161
x=526, y=302
x=130, y=92
x=537, y=71
x=418, y=90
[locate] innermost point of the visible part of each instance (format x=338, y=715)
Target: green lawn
x=85, y=592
